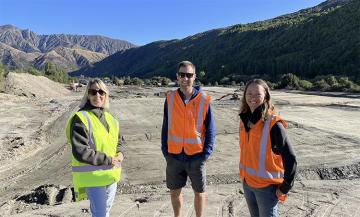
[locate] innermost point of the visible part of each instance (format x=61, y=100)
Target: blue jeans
x=262, y=202
x=101, y=199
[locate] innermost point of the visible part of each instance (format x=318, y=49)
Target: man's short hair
x=186, y=63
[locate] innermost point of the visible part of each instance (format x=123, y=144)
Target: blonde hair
x=102, y=86
x=269, y=106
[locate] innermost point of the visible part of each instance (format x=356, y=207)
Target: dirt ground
x=35, y=177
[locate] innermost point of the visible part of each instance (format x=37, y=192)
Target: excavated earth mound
x=23, y=84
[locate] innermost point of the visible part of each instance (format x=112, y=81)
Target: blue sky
x=140, y=21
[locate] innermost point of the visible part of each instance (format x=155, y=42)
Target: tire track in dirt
x=161, y=210
x=307, y=201
x=42, y=158
x=340, y=136
x=127, y=211
x=231, y=206
x=189, y=210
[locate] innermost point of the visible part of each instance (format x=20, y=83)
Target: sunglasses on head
x=94, y=92
x=184, y=74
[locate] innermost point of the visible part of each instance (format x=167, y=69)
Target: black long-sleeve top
x=280, y=146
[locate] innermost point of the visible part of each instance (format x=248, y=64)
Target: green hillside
x=317, y=41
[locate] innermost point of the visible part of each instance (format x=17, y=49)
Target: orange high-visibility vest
x=259, y=165
x=186, y=128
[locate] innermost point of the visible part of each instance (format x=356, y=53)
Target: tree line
x=288, y=81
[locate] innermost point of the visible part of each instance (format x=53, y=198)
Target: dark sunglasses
x=94, y=92
x=183, y=74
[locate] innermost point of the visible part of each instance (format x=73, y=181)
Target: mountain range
x=22, y=48
x=321, y=40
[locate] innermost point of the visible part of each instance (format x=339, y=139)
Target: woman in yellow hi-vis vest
x=93, y=134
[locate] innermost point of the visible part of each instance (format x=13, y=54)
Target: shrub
x=322, y=85
x=201, y=76
x=225, y=80
x=355, y=88
x=164, y=81
x=137, y=81
x=331, y=80
x=345, y=83
x=55, y=73
x=307, y=85
x=34, y=71
x=127, y=81
x=289, y=81
x=269, y=83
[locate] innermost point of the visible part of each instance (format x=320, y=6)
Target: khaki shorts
x=178, y=171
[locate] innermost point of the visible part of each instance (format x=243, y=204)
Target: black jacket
x=79, y=137
x=280, y=146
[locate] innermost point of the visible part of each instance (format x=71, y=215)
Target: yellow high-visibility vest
x=87, y=175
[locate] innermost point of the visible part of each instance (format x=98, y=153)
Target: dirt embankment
x=30, y=107
x=22, y=84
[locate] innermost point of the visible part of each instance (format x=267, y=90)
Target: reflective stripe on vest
x=90, y=168
x=170, y=110
x=262, y=157
x=91, y=139
x=192, y=141
x=187, y=140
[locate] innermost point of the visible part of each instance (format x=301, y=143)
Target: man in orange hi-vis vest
x=188, y=138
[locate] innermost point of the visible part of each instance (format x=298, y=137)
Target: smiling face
x=255, y=96
x=96, y=96
x=186, y=76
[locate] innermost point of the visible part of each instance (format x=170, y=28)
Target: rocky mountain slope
x=21, y=48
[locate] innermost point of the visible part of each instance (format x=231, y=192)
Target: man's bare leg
x=176, y=201
x=199, y=203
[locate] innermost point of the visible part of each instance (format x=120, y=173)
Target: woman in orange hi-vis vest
x=267, y=160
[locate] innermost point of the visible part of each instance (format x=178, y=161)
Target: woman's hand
x=282, y=197
x=117, y=159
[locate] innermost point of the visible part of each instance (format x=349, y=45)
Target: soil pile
x=23, y=84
